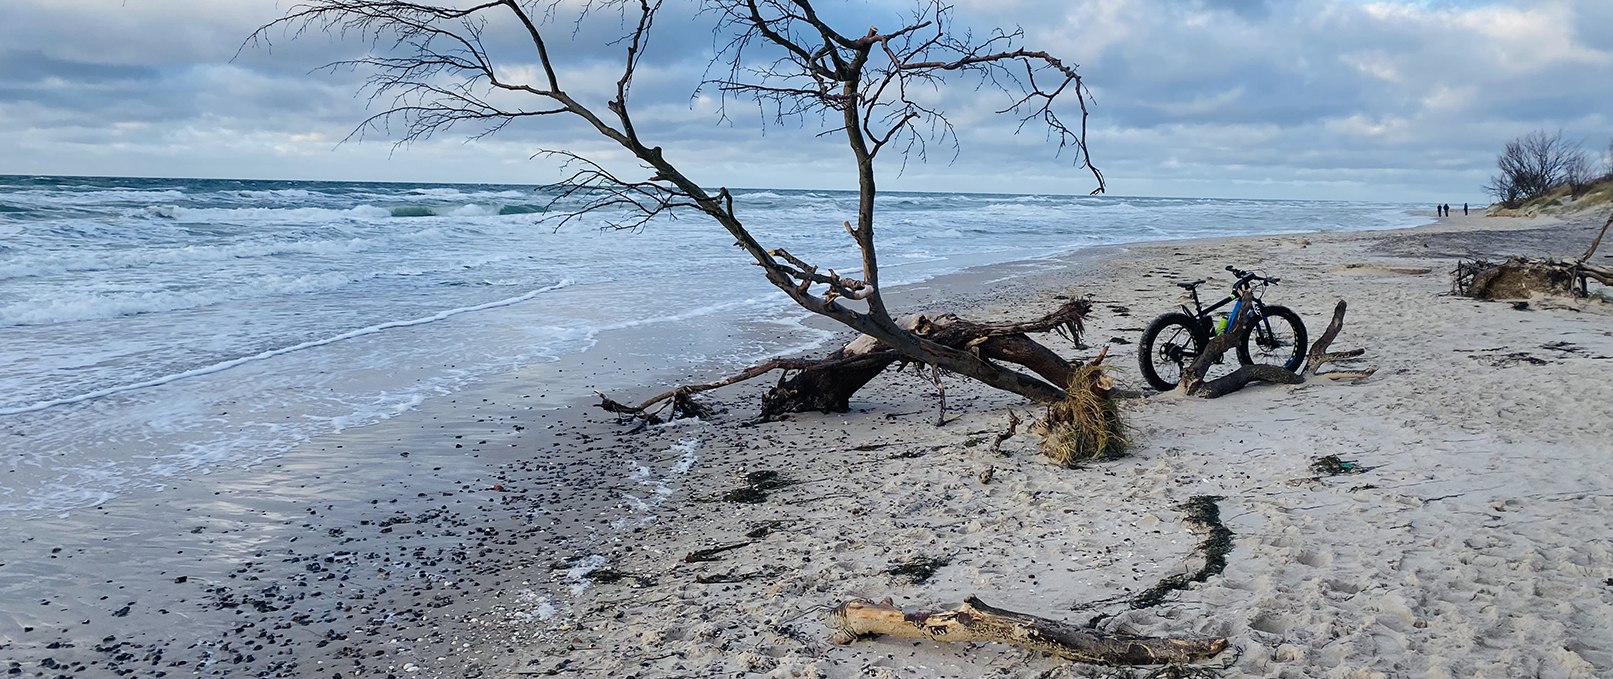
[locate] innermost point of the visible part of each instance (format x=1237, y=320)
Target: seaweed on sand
x=918, y=570
x=757, y=483
x=1201, y=512
x=1331, y=465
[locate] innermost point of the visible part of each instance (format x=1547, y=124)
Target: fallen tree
x=975, y=621
x=828, y=384
x=1523, y=277
x=491, y=64
x=1194, y=384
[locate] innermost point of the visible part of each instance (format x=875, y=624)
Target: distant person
x=1439, y=210
x=1464, y=209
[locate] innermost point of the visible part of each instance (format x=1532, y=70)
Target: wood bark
x=828, y=384
x=975, y=621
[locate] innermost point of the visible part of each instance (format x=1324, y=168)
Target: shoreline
x=487, y=532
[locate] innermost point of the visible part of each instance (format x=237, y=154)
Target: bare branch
x=430, y=70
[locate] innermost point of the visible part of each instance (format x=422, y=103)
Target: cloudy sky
x=1395, y=100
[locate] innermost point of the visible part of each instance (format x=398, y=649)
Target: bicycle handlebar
x=1247, y=276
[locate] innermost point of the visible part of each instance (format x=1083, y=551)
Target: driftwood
x=1193, y=382
x=1319, y=355
x=974, y=621
x=828, y=384
x=1523, y=277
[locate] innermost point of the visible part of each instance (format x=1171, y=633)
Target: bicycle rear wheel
x=1168, y=346
x=1277, y=339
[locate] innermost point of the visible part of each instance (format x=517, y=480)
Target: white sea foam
x=655, y=489
x=226, y=365
x=90, y=304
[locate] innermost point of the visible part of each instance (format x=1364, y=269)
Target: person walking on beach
x=1464, y=209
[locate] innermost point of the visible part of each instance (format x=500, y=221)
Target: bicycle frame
x=1201, y=314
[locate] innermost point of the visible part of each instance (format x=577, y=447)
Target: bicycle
x=1272, y=335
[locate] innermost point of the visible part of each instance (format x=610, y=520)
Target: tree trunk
x=974, y=621
x=828, y=384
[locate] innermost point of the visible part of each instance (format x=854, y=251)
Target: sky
x=1398, y=100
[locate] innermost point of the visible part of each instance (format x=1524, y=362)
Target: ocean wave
x=68, y=306
x=460, y=195
x=56, y=198
x=364, y=213
x=466, y=210
x=191, y=255
x=271, y=353
x=261, y=215
x=277, y=194
x=768, y=195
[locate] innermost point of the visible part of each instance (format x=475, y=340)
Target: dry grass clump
x=1087, y=425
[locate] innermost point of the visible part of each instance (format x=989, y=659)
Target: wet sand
x=513, y=529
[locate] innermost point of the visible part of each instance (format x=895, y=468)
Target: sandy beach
x=1470, y=545
x=514, y=530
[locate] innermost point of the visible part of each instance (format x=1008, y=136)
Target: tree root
x=1087, y=425
x=1522, y=277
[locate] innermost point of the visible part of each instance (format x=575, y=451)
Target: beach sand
x=513, y=530
x=1474, y=543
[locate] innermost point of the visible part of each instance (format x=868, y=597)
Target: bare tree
x=433, y=67
x=1534, y=164
x=1578, y=173
x=1607, y=163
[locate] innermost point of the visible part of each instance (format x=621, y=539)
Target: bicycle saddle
x=1189, y=285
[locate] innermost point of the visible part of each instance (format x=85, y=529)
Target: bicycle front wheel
x=1277, y=338
x=1169, y=345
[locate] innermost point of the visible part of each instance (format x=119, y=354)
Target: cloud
x=1395, y=99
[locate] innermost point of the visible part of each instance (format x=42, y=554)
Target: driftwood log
x=1194, y=384
x=828, y=384
x=975, y=621
x=1523, y=277
x=1319, y=355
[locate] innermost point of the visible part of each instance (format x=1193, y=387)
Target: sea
x=153, y=331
